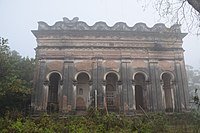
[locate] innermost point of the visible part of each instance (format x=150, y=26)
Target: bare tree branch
x=195, y=4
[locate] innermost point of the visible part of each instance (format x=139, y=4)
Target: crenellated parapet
x=75, y=24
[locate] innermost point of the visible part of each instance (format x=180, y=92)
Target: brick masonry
x=71, y=48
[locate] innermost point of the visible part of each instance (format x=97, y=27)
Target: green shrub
x=98, y=122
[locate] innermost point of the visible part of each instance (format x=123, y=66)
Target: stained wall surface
x=120, y=68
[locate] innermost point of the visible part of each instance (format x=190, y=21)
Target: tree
x=193, y=78
x=194, y=85
x=24, y=67
x=16, y=74
x=195, y=4
x=185, y=12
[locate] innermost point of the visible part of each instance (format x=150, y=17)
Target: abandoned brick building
x=118, y=68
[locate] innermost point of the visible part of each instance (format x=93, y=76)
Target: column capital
x=173, y=82
x=104, y=82
x=42, y=61
x=46, y=82
x=74, y=82
x=148, y=82
x=90, y=82
x=133, y=82
x=61, y=82
x=119, y=82
x=161, y=82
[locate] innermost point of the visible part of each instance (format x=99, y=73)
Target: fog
x=19, y=17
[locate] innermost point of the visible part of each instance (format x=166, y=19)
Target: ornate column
x=121, y=95
x=66, y=106
x=133, y=87
x=39, y=86
x=173, y=92
x=97, y=74
x=60, y=95
x=162, y=95
x=90, y=96
x=126, y=78
x=148, y=86
x=68, y=87
x=75, y=83
x=45, y=95
x=104, y=94
x=156, y=100
x=182, y=86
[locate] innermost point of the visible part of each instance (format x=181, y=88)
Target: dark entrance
x=139, y=97
x=82, y=93
x=139, y=91
x=54, y=81
x=166, y=77
x=112, y=96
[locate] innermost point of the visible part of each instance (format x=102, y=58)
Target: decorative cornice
x=75, y=24
x=155, y=48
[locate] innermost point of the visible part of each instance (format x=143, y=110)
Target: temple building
x=121, y=69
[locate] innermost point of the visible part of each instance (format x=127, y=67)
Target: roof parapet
x=75, y=24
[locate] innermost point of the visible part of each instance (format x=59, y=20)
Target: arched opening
x=112, y=96
x=140, y=88
x=82, y=92
x=166, y=77
x=54, y=81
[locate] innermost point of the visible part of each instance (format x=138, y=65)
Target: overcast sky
x=19, y=17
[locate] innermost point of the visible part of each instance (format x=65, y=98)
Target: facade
x=120, y=68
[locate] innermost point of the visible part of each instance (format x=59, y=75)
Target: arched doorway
x=54, y=83
x=112, y=95
x=82, y=91
x=167, y=88
x=140, y=88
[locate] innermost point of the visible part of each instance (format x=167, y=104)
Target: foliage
x=193, y=77
x=110, y=123
x=194, y=86
x=16, y=74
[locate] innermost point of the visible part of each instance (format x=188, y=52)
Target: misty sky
x=19, y=17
